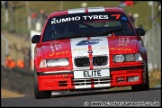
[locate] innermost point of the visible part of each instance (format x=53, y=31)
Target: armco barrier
x=17, y=80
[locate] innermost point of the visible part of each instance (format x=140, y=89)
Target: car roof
x=86, y=10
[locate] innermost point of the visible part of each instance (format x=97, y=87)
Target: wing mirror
x=140, y=31
x=35, y=39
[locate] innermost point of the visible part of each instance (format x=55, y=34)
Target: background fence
x=4, y=47
x=152, y=41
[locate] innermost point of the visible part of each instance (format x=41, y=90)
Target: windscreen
x=87, y=25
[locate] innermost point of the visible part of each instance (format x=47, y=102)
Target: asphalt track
x=98, y=98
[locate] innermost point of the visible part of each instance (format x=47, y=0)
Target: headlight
x=129, y=57
x=119, y=58
x=54, y=62
x=43, y=64
x=138, y=57
x=57, y=62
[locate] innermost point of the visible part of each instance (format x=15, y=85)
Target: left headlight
x=138, y=57
x=128, y=57
x=57, y=62
x=119, y=58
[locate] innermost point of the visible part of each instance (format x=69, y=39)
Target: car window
x=87, y=24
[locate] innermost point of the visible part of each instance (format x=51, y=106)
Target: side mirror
x=35, y=39
x=140, y=31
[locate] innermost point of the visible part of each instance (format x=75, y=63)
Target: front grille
x=100, y=61
x=82, y=62
x=88, y=82
x=97, y=61
x=62, y=83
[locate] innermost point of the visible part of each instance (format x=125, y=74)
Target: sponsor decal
x=68, y=19
x=88, y=42
x=123, y=44
x=58, y=46
x=52, y=49
x=55, y=47
x=78, y=18
x=126, y=40
x=58, y=53
x=123, y=41
x=121, y=49
x=52, y=54
x=87, y=17
x=98, y=48
x=90, y=51
x=79, y=49
x=124, y=18
x=116, y=15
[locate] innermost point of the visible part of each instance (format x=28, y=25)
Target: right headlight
x=54, y=62
x=57, y=62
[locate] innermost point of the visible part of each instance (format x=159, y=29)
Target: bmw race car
x=87, y=49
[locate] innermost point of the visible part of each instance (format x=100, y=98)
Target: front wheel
x=144, y=86
x=40, y=94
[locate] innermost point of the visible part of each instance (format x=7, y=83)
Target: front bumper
x=55, y=81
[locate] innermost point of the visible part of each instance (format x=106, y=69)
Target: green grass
x=20, y=24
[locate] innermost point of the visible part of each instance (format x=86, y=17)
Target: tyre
x=144, y=86
x=40, y=94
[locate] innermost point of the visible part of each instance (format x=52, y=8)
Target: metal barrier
x=152, y=42
x=4, y=47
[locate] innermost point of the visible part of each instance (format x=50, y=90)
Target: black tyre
x=143, y=86
x=40, y=94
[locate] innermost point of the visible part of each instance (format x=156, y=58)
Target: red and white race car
x=87, y=49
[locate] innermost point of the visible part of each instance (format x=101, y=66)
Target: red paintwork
x=50, y=82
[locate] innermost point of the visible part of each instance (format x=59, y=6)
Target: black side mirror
x=35, y=39
x=140, y=31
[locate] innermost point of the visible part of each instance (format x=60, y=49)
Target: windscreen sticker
x=68, y=19
x=116, y=15
x=77, y=18
x=124, y=18
x=87, y=17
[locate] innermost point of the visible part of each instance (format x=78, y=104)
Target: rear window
x=87, y=24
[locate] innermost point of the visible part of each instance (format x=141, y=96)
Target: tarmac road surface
x=98, y=98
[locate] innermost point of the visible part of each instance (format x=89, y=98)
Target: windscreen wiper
x=77, y=35
x=90, y=26
x=89, y=33
x=110, y=31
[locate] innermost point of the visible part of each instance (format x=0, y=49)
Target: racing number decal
x=116, y=15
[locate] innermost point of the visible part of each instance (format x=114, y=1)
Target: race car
x=88, y=49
